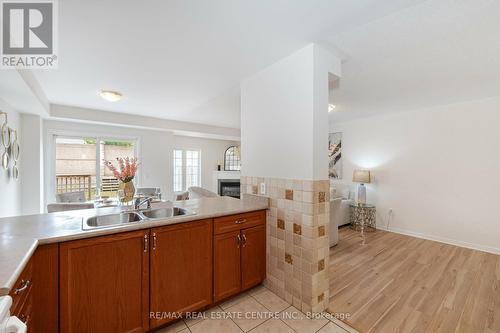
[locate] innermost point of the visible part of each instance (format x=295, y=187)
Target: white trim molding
x=478, y=247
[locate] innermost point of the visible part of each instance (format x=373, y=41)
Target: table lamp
x=362, y=177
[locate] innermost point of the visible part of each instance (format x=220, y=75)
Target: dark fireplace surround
x=229, y=187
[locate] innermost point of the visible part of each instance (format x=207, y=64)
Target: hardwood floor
x=397, y=283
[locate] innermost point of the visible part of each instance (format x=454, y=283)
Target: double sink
x=113, y=220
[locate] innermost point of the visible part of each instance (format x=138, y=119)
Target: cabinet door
x=181, y=269
x=227, y=265
x=104, y=284
x=46, y=288
x=253, y=256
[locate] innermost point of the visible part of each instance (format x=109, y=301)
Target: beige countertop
x=20, y=235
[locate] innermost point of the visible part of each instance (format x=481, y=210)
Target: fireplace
x=229, y=187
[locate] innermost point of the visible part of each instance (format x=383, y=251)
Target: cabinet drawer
x=239, y=221
x=22, y=287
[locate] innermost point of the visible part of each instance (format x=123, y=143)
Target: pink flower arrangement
x=127, y=168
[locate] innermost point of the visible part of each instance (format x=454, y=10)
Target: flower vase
x=128, y=191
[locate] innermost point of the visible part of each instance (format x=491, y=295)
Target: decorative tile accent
x=321, y=265
x=254, y=189
x=297, y=239
x=297, y=229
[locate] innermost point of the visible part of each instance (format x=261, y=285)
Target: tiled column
x=284, y=144
x=297, y=239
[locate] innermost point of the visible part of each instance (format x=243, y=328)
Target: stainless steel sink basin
x=111, y=220
x=162, y=213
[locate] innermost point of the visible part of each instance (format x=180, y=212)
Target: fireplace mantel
x=223, y=175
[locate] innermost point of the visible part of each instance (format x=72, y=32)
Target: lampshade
x=361, y=176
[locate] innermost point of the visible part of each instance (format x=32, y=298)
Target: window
x=80, y=164
x=178, y=170
x=232, y=161
x=187, y=167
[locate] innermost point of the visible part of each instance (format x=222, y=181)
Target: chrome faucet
x=139, y=202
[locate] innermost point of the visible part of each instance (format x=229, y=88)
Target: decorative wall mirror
x=5, y=136
x=14, y=153
x=232, y=159
x=11, y=148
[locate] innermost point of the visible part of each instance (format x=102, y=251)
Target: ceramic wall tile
x=297, y=235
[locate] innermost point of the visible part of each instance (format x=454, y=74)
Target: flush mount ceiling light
x=110, y=96
x=331, y=107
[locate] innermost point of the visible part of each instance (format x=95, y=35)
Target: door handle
x=146, y=241
x=238, y=240
x=244, y=240
x=154, y=241
x=240, y=221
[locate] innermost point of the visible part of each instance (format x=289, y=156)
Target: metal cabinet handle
x=146, y=241
x=24, y=285
x=238, y=238
x=154, y=241
x=244, y=240
x=24, y=318
x=240, y=221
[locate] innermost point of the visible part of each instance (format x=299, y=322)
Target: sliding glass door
x=75, y=166
x=79, y=165
x=109, y=150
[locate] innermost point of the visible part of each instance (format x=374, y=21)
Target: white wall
x=438, y=169
x=31, y=173
x=10, y=189
x=212, y=153
x=154, y=152
x=284, y=116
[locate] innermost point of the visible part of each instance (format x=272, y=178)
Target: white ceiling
x=439, y=52
x=184, y=59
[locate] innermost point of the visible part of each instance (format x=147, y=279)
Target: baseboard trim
x=472, y=246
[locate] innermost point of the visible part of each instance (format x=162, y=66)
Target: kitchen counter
x=20, y=235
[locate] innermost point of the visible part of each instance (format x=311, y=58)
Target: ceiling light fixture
x=110, y=96
x=331, y=107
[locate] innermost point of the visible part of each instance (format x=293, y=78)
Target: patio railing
x=75, y=183
x=78, y=183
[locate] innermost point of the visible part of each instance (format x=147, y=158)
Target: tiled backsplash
x=297, y=239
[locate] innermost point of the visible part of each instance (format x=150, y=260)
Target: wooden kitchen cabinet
x=239, y=253
x=35, y=293
x=227, y=261
x=253, y=256
x=113, y=283
x=104, y=284
x=46, y=289
x=180, y=269
x=22, y=296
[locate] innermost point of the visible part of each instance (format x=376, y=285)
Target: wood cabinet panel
x=22, y=288
x=104, y=284
x=253, y=256
x=181, y=269
x=46, y=290
x=239, y=221
x=227, y=265
x=25, y=313
x=22, y=296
